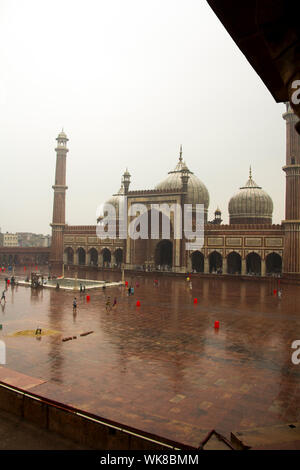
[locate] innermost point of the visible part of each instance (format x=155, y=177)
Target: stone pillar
x=75, y=257
x=263, y=267
x=189, y=262
x=244, y=267
x=206, y=265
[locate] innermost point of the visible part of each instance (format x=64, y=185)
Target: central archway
x=164, y=254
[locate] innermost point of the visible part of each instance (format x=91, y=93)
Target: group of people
x=8, y=281
x=108, y=307
x=130, y=290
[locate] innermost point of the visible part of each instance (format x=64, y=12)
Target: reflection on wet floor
x=163, y=367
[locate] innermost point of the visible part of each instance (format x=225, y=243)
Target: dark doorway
x=93, y=257
x=197, y=262
x=106, y=257
x=273, y=263
x=234, y=263
x=119, y=257
x=81, y=256
x=164, y=254
x=215, y=262
x=69, y=256
x=253, y=264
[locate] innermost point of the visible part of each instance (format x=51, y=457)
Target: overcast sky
x=129, y=81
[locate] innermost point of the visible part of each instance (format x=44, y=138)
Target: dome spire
x=180, y=153
x=250, y=183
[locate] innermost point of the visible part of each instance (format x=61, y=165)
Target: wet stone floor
x=161, y=367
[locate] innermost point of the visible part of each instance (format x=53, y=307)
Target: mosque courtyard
x=161, y=367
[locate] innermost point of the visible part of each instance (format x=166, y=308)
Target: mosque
x=249, y=245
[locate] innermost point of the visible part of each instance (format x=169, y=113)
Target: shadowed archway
x=198, y=262
x=234, y=263
x=106, y=257
x=93, y=257
x=81, y=256
x=164, y=254
x=253, y=264
x=69, y=256
x=273, y=263
x=118, y=255
x=215, y=262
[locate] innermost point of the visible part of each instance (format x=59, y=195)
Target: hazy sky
x=129, y=80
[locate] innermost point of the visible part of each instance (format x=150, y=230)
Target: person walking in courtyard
x=3, y=297
x=107, y=305
x=74, y=305
x=115, y=302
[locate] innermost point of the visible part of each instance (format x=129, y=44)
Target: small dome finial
x=180, y=153
x=250, y=173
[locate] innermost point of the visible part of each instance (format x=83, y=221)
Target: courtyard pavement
x=161, y=367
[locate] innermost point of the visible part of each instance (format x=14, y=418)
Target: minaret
x=58, y=220
x=126, y=181
x=291, y=255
